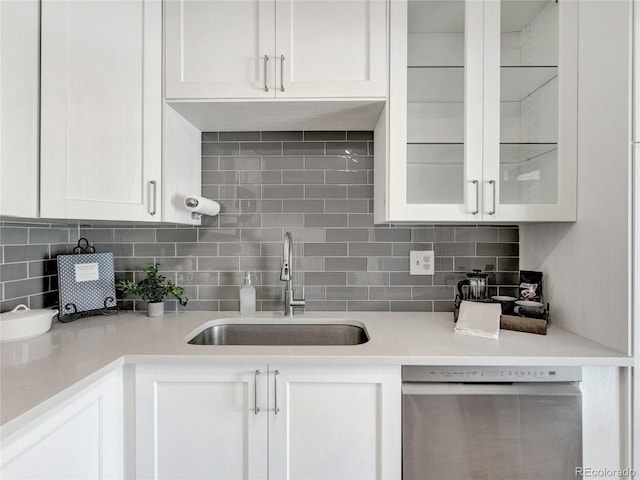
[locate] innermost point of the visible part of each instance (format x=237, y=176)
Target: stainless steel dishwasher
x=493, y=423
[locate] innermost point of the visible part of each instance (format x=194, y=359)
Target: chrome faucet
x=286, y=275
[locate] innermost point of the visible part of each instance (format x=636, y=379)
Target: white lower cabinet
x=82, y=438
x=259, y=421
x=201, y=422
x=335, y=422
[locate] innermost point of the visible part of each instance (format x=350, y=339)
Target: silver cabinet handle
x=154, y=197
x=276, y=409
x=266, y=60
x=256, y=409
x=475, y=212
x=493, y=186
x=282, y=73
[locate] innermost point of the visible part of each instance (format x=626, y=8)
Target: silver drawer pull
x=493, y=186
x=256, y=409
x=475, y=212
x=282, y=73
x=266, y=60
x=154, y=197
x=276, y=409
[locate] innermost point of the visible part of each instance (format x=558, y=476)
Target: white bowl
x=503, y=298
x=529, y=303
x=22, y=323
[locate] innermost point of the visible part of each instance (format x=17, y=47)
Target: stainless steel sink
x=281, y=334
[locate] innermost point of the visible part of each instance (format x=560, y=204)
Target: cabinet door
x=217, y=49
x=334, y=422
x=331, y=48
x=530, y=111
x=80, y=439
x=201, y=422
x=101, y=118
x=434, y=166
x=19, y=89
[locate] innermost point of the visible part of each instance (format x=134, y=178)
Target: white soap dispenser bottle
x=247, y=296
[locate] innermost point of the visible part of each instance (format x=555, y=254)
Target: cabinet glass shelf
x=435, y=84
x=528, y=174
x=435, y=173
x=446, y=84
x=518, y=83
x=517, y=153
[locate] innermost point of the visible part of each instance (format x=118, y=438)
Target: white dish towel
x=478, y=320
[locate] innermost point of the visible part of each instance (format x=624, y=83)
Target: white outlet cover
x=421, y=262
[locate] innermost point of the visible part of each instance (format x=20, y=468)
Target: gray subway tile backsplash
x=14, y=271
x=235, y=163
x=304, y=178
x=14, y=236
x=239, y=136
x=360, y=135
x=222, y=148
x=325, y=191
x=349, y=264
x=21, y=253
x=325, y=162
x=282, y=136
x=210, y=137
x=261, y=148
x=132, y=235
x=324, y=135
x=325, y=220
x=303, y=148
x=347, y=148
x=268, y=183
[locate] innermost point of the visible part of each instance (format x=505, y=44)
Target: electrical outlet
x=421, y=262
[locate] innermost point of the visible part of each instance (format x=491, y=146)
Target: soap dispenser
x=247, y=296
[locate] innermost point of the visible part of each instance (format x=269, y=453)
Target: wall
x=269, y=183
x=587, y=264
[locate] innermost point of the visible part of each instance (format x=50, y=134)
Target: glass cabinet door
x=482, y=111
x=529, y=171
x=440, y=83
x=528, y=102
x=435, y=102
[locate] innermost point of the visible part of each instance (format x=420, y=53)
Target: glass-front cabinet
x=482, y=114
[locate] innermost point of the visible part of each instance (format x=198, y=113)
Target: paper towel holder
x=192, y=203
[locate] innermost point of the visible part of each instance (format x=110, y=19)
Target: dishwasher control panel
x=489, y=374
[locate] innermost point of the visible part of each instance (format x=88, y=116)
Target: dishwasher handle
x=535, y=389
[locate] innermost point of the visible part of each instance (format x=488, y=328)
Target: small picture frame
x=86, y=283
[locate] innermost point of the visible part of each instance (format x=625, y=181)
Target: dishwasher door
x=491, y=431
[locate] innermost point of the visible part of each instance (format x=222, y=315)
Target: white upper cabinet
x=111, y=149
x=481, y=123
x=217, y=48
x=636, y=75
x=263, y=49
x=101, y=125
x=19, y=84
x=330, y=48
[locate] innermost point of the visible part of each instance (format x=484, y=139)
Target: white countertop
x=36, y=374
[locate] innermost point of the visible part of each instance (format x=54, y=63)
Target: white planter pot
x=155, y=309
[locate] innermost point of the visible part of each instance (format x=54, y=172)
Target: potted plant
x=153, y=290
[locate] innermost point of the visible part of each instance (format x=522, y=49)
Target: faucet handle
x=285, y=272
x=298, y=303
